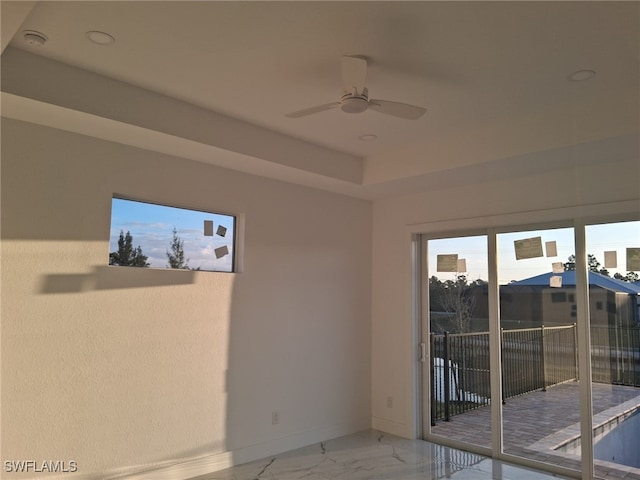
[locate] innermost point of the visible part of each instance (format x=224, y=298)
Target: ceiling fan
x=355, y=97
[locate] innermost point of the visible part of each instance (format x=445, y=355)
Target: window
x=157, y=236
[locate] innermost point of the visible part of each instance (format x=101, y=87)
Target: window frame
x=235, y=245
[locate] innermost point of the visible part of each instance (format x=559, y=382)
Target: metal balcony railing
x=532, y=359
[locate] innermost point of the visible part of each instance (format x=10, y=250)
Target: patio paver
x=534, y=422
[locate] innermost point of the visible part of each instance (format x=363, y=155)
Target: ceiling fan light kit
x=351, y=103
x=355, y=98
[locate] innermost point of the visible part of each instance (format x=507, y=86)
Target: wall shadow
x=112, y=278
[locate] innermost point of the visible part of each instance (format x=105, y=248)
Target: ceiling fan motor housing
x=351, y=103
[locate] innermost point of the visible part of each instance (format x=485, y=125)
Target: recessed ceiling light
x=582, y=75
x=101, y=38
x=368, y=137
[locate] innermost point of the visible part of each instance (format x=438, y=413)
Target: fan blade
x=401, y=110
x=311, y=110
x=354, y=73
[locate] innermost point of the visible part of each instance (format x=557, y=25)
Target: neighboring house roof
x=569, y=279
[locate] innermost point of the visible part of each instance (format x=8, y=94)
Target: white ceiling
x=492, y=75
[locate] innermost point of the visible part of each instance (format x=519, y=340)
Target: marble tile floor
x=372, y=455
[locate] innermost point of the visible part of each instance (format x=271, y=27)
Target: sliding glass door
x=458, y=337
x=540, y=379
x=556, y=313
x=613, y=253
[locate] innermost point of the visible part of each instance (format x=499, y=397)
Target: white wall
x=120, y=369
x=599, y=178
x=181, y=365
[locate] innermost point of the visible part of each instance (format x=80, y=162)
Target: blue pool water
x=617, y=441
x=621, y=444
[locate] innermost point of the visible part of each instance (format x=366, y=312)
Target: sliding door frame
x=558, y=218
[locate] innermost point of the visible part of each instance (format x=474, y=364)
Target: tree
x=460, y=302
x=436, y=292
x=629, y=277
x=592, y=262
x=456, y=298
x=126, y=255
x=176, y=255
x=594, y=266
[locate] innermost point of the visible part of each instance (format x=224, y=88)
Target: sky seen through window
x=151, y=227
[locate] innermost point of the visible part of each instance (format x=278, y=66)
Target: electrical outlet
x=275, y=418
x=389, y=402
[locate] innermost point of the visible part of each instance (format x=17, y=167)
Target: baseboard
x=184, y=469
x=293, y=441
x=391, y=427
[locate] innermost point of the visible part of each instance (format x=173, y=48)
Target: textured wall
x=122, y=368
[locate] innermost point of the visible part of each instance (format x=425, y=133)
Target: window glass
x=613, y=252
x=460, y=382
x=540, y=381
x=158, y=236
